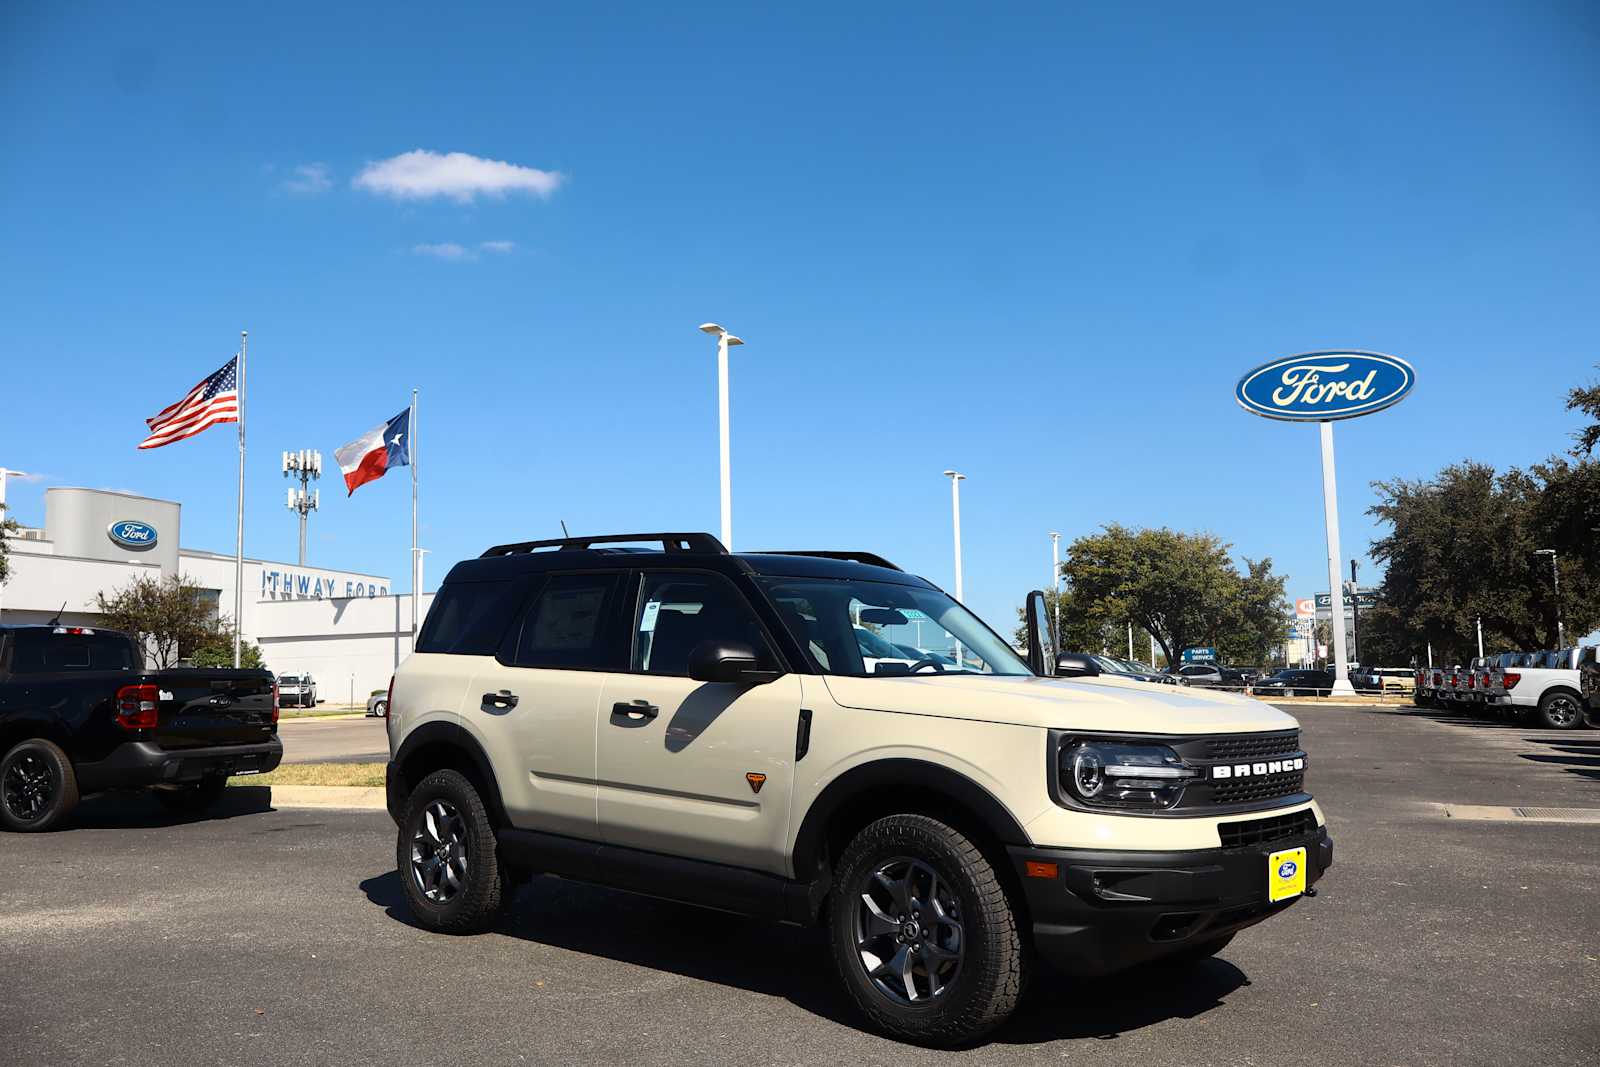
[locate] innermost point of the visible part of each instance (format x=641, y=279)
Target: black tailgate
x=203, y=708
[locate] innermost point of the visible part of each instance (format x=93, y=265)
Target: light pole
x=956, y=478
x=304, y=466
x=1555, y=591
x=1055, y=580
x=725, y=341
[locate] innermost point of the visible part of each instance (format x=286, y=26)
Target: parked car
x=1209, y=674
x=297, y=690
x=1548, y=689
x=1589, y=682
x=378, y=703
x=80, y=714
x=1295, y=683
x=705, y=727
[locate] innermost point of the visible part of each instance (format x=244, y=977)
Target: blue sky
x=1035, y=243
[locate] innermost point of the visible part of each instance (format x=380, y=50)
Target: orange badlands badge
x=756, y=781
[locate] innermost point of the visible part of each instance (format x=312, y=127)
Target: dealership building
x=346, y=629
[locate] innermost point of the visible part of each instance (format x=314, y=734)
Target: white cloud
x=443, y=250
x=309, y=179
x=497, y=246
x=423, y=175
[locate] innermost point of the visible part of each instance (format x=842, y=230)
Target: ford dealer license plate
x=1286, y=874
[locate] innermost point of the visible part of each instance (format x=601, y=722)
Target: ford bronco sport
x=711, y=728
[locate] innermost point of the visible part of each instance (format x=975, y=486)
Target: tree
x=1586, y=398
x=172, y=615
x=217, y=650
x=7, y=528
x=1460, y=547
x=1181, y=588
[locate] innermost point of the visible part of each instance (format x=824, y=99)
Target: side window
x=571, y=625
x=676, y=611
x=470, y=618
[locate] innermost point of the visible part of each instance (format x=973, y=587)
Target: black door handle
x=503, y=699
x=638, y=707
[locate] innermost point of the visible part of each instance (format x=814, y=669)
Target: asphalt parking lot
x=278, y=937
x=330, y=740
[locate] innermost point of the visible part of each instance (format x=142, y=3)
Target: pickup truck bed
x=78, y=715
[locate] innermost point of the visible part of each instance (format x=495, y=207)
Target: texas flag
x=372, y=454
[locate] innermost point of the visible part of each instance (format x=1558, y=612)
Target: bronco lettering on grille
x=1254, y=770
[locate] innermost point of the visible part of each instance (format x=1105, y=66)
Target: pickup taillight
x=1472, y=680
x=274, y=702
x=1510, y=679
x=138, y=707
x=1483, y=679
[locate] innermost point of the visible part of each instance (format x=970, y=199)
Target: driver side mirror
x=732, y=662
x=1041, y=642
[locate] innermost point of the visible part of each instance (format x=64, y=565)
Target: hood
x=1103, y=703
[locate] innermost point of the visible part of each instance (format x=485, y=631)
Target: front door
x=690, y=768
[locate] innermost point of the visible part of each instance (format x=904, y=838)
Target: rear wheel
x=446, y=854
x=924, y=934
x=38, y=787
x=1560, y=711
x=194, y=798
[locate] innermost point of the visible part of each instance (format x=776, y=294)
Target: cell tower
x=305, y=466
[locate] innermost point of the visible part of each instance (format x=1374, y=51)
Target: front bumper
x=1107, y=911
x=142, y=763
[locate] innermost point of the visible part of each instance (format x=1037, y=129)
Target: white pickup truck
x=1546, y=687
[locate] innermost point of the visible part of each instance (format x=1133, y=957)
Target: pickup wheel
x=1560, y=711
x=924, y=934
x=38, y=787
x=194, y=798
x=446, y=854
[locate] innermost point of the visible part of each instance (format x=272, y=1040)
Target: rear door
x=691, y=768
x=68, y=676
x=533, y=706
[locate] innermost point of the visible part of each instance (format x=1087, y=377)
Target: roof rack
x=871, y=558
x=670, y=542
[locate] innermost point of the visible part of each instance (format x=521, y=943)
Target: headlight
x=1121, y=774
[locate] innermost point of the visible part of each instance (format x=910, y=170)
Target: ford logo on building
x=1316, y=386
x=131, y=533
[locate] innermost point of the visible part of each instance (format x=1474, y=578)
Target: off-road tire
x=986, y=989
x=487, y=883
x=62, y=785
x=194, y=798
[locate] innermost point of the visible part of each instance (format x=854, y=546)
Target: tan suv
x=714, y=728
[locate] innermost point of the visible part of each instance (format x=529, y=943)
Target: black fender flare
x=451, y=735
x=889, y=773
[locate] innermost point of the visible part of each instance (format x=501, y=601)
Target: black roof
x=700, y=550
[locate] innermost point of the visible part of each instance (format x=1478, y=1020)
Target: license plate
x=1286, y=874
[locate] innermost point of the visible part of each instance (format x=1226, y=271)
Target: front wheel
x=1560, y=711
x=924, y=934
x=38, y=787
x=446, y=854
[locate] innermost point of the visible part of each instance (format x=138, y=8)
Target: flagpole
x=238, y=542
x=416, y=566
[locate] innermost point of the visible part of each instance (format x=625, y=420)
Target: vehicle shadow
x=138, y=809
x=795, y=963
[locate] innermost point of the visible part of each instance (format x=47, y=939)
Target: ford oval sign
x=1317, y=386
x=130, y=533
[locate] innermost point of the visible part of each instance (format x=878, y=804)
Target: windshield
x=872, y=629
x=289, y=679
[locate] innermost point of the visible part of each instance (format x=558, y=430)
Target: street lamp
x=725, y=341
x=1555, y=591
x=956, y=478
x=1055, y=579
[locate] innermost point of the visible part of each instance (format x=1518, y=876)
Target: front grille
x=1265, y=831
x=1248, y=790
x=1249, y=746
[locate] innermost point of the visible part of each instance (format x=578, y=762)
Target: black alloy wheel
x=447, y=857
x=37, y=786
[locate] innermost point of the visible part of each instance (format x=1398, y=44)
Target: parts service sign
x=1319, y=386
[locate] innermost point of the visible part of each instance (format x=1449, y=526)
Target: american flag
x=212, y=401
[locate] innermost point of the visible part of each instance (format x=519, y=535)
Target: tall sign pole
x=1321, y=387
x=1330, y=516
x=416, y=556
x=238, y=536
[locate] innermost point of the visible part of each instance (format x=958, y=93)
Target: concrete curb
x=358, y=797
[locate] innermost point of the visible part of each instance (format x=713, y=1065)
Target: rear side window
x=470, y=618
x=572, y=624
x=44, y=652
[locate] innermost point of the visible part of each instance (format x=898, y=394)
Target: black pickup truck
x=79, y=714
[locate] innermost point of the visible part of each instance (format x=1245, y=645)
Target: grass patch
x=316, y=774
